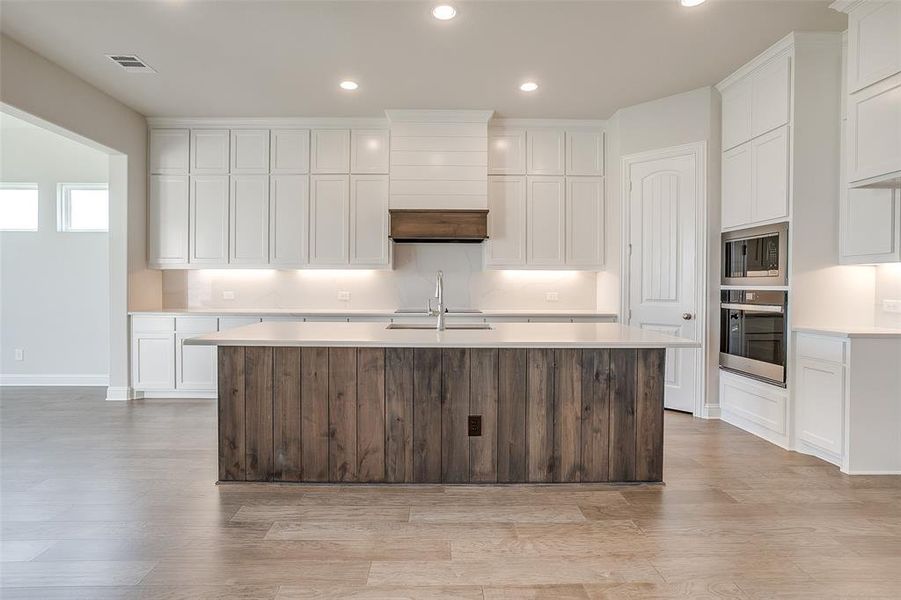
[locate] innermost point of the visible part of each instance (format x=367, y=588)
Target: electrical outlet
x=552, y=297
x=228, y=295
x=891, y=305
x=20, y=354
x=344, y=296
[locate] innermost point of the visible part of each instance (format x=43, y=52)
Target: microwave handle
x=755, y=308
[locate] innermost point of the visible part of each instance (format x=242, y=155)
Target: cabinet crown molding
x=509, y=123
x=267, y=122
x=845, y=6
x=438, y=116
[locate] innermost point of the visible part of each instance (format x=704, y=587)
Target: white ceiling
x=286, y=58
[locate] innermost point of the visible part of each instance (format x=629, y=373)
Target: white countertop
x=501, y=335
x=875, y=332
x=372, y=312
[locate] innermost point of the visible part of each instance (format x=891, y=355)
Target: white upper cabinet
x=168, y=220
x=506, y=151
x=330, y=151
x=249, y=220
x=289, y=151
x=545, y=152
x=769, y=169
x=208, y=235
x=209, y=151
x=737, y=113
x=874, y=131
x=874, y=43
x=506, y=222
x=545, y=200
x=871, y=226
x=369, y=244
x=249, y=151
x=329, y=210
x=169, y=151
x=289, y=209
x=736, y=195
x=585, y=153
x=369, y=151
x=770, y=95
x=584, y=221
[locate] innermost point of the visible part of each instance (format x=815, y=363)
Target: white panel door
x=289, y=218
x=874, y=43
x=585, y=153
x=736, y=200
x=770, y=95
x=769, y=169
x=249, y=220
x=506, y=151
x=506, y=221
x=584, y=222
x=737, y=113
x=545, y=152
x=153, y=361
x=209, y=151
x=663, y=266
x=821, y=393
x=169, y=151
x=249, y=151
x=369, y=244
x=168, y=220
x=329, y=220
x=874, y=130
x=209, y=220
x=330, y=151
x=289, y=151
x=871, y=225
x=546, y=210
x=369, y=151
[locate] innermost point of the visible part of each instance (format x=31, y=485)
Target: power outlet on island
x=228, y=295
x=552, y=297
x=344, y=296
x=20, y=354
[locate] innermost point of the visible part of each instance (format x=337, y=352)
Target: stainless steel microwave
x=756, y=256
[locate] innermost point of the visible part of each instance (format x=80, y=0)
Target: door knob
x=687, y=316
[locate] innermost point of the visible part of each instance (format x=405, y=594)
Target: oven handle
x=755, y=308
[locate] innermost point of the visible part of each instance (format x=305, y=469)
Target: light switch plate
x=228, y=295
x=552, y=297
x=344, y=296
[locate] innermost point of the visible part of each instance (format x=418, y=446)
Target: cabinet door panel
x=584, y=221
x=195, y=366
x=821, y=389
x=369, y=151
x=770, y=95
x=874, y=130
x=506, y=221
x=369, y=220
x=585, y=153
x=545, y=218
x=736, y=200
x=169, y=151
x=737, y=114
x=769, y=166
x=329, y=211
x=209, y=151
x=874, y=43
x=289, y=210
x=209, y=219
x=249, y=151
x=506, y=151
x=330, y=151
x=153, y=361
x=249, y=220
x=545, y=152
x=871, y=226
x=168, y=216
x=289, y=151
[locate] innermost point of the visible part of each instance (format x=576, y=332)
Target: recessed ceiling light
x=349, y=85
x=444, y=12
x=690, y=3
x=529, y=86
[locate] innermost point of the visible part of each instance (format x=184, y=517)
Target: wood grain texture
x=483, y=402
x=258, y=412
x=287, y=434
x=455, y=388
x=371, y=415
x=426, y=415
x=409, y=224
x=595, y=414
x=512, y=394
x=232, y=459
x=622, y=415
x=568, y=415
x=649, y=415
x=540, y=415
x=314, y=410
x=399, y=415
x=342, y=414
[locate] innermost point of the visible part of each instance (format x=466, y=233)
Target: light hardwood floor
x=112, y=500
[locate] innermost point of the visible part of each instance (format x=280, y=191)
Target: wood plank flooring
x=107, y=501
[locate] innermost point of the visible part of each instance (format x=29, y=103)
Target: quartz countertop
x=849, y=331
x=373, y=312
x=501, y=335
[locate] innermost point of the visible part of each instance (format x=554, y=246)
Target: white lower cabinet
x=754, y=406
x=153, y=353
x=195, y=366
x=369, y=244
x=819, y=405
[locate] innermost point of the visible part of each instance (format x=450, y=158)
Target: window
x=18, y=207
x=82, y=207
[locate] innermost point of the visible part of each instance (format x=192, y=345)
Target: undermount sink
x=432, y=326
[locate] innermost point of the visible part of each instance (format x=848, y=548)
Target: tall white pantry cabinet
x=247, y=196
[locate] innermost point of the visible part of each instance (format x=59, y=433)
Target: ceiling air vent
x=130, y=63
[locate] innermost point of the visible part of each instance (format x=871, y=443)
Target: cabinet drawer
x=150, y=324
x=821, y=348
x=196, y=324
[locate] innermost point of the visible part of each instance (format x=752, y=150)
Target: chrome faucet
x=439, y=294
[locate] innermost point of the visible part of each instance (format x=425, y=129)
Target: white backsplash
x=888, y=287
x=466, y=285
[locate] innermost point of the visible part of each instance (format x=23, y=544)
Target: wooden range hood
x=410, y=225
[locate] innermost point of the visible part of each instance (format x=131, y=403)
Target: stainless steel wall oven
x=753, y=338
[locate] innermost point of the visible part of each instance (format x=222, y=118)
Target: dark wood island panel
x=406, y=415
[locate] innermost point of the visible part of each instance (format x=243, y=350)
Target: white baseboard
x=26, y=379
x=121, y=394
x=860, y=472
x=711, y=411
x=179, y=395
